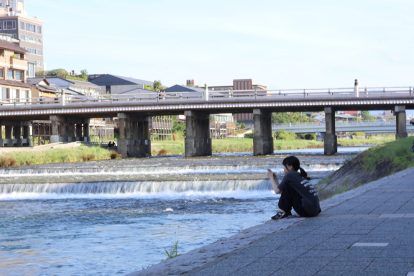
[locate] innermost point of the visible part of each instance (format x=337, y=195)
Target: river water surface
x=116, y=217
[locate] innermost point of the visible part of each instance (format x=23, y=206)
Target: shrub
x=310, y=136
x=114, y=155
x=162, y=152
x=88, y=157
x=358, y=134
x=7, y=161
x=249, y=135
x=284, y=135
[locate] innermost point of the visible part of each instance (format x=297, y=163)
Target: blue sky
x=282, y=44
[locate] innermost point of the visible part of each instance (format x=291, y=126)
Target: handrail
x=221, y=95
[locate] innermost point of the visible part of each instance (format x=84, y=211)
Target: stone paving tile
x=287, y=253
x=264, y=266
x=323, y=253
x=347, y=266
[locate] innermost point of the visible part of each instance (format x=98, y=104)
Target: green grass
x=77, y=154
x=389, y=157
x=372, y=140
x=176, y=147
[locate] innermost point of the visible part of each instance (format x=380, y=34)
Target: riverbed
x=115, y=217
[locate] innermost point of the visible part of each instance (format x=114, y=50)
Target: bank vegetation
x=370, y=165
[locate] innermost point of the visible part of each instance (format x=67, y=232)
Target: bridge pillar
x=17, y=134
x=262, y=137
x=330, y=139
x=1, y=135
x=134, y=135
x=401, y=121
x=59, y=130
x=197, y=134
x=8, y=142
x=78, y=132
x=26, y=135
x=86, y=134
x=70, y=131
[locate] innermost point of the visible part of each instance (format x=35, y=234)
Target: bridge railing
x=220, y=95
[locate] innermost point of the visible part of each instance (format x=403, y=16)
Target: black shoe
x=281, y=214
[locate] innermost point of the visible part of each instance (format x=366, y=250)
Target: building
x=28, y=30
x=43, y=90
x=183, y=88
x=240, y=85
x=13, y=67
x=71, y=88
x=118, y=85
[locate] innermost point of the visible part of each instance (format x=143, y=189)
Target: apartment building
x=13, y=69
x=239, y=85
x=15, y=23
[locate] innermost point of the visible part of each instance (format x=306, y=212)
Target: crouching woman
x=295, y=191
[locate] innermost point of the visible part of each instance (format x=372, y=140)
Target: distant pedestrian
x=295, y=191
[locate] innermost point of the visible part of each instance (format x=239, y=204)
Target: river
x=116, y=217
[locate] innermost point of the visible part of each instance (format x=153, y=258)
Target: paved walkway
x=366, y=231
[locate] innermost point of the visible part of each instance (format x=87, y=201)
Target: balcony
x=19, y=64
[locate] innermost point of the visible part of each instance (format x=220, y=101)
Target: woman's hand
x=273, y=178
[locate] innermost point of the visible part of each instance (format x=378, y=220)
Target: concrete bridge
x=70, y=116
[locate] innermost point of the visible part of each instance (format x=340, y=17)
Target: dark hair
x=295, y=163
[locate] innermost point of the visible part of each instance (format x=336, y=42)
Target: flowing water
x=115, y=217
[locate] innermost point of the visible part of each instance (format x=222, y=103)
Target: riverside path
x=366, y=231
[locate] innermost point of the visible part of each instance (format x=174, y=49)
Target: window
x=30, y=27
x=18, y=75
x=9, y=25
x=31, y=70
x=17, y=95
x=2, y=72
x=39, y=29
x=4, y=93
x=22, y=25
x=9, y=74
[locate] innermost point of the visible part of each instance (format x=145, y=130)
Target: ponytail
x=295, y=163
x=303, y=173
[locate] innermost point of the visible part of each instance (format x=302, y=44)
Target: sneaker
x=281, y=214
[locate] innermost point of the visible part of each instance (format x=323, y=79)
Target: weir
x=134, y=188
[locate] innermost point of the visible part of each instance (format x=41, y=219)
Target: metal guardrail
x=224, y=95
x=369, y=127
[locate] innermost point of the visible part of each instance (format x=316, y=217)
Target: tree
x=157, y=86
x=366, y=116
x=61, y=73
x=84, y=74
x=290, y=117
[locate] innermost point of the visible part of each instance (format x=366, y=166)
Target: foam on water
x=193, y=195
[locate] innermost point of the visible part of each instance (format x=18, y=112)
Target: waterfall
x=135, y=189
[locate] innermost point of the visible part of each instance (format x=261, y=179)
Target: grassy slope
x=370, y=165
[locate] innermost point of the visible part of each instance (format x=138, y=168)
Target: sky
x=278, y=43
